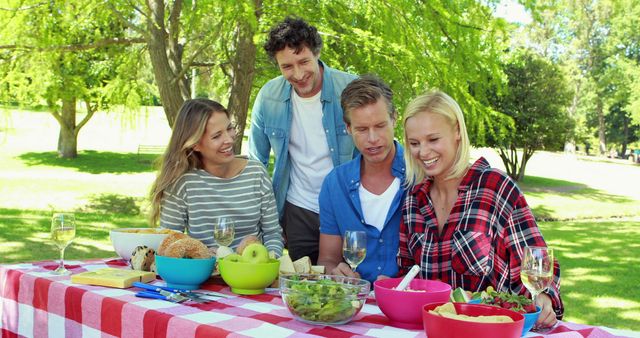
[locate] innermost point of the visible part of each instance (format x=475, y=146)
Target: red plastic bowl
x=404, y=308
x=441, y=327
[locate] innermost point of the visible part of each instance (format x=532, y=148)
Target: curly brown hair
x=294, y=33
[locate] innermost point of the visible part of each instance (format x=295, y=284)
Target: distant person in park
x=298, y=116
x=366, y=193
x=464, y=224
x=201, y=179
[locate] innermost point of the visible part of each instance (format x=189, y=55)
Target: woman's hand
x=547, y=315
x=342, y=269
x=381, y=277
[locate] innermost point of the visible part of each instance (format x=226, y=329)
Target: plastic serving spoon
x=408, y=278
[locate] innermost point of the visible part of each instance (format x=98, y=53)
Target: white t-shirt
x=376, y=207
x=309, y=152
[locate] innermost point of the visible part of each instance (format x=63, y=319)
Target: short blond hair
x=437, y=102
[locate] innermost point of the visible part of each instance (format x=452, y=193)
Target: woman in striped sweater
x=201, y=179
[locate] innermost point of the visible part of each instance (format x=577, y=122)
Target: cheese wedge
x=286, y=265
x=317, y=269
x=116, y=278
x=303, y=265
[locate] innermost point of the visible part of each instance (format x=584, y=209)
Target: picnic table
x=35, y=303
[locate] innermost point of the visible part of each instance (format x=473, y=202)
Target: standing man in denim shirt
x=298, y=116
x=365, y=194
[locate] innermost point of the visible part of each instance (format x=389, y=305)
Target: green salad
x=323, y=300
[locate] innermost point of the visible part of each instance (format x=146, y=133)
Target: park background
x=553, y=99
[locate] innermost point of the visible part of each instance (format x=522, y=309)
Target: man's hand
x=381, y=277
x=547, y=315
x=342, y=269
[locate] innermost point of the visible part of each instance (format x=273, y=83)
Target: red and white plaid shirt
x=484, y=238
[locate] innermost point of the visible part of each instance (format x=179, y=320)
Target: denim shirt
x=341, y=210
x=271, y=126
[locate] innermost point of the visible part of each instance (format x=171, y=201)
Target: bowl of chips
x=449, y=320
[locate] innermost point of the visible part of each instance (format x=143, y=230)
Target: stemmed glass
x=224, y=231
x=536, y=271
x=63, y=231
x=354, y=248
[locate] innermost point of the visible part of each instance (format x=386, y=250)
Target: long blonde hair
x=437, y=102
x=179, y=157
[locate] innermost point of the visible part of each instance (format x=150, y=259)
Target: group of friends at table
x=338, y=168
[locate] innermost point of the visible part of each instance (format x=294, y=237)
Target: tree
x=184, y=37
x=620, y=127
x=536, y=99
x=69, y=73
x=453, y=46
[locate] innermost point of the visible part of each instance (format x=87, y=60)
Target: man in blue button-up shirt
x=298, y=116
x=366, y=193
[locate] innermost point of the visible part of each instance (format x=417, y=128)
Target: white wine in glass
x=63, y=231
x=354, y=248
x=224, y=231
x=536, y=271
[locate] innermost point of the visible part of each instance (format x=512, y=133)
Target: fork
x=172, y=297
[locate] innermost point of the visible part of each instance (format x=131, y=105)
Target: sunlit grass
x=599, y=266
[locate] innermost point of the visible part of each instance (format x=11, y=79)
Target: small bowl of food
x=251, y=272
x=404, y=308
x=125, y=240
x=323, y=299
x=184, y=273
x=451, y=320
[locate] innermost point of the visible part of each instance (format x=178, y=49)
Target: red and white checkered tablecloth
x=35, y=303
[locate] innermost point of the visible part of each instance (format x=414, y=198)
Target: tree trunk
x=243, y=67
x=570, y=144
x=165, y=54
x=526, y=156
x=68, y=137
x=510, y=160
x=601, y=126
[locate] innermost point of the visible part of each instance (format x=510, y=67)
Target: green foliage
x=59, y=55
x=536, y=99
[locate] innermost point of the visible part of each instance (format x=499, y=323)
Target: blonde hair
x=437, y=102
x=179, y=157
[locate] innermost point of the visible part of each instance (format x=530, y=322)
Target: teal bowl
x=530, y=319
x=184, y=273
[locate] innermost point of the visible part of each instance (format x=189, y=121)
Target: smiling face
x=372, y=130
x=216, y=144
x=433, y=142
x=301, y=69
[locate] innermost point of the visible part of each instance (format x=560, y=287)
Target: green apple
x=255, y=253
x=234, y=257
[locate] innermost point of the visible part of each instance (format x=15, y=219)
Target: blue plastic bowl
x=184, y=273
x=530, y=319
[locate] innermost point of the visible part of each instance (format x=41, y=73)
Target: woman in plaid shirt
x=466, y=225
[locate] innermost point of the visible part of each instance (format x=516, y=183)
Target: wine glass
x=63, y=231
x=224, y=231
x=354, y=248
x=536, y=271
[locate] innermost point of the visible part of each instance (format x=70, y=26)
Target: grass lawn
x=599, y=261
x=106, y=188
